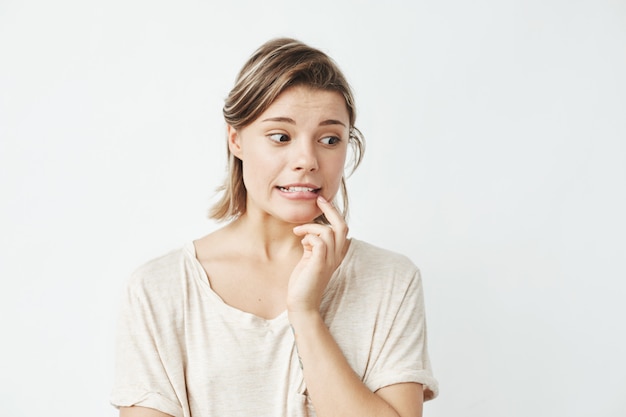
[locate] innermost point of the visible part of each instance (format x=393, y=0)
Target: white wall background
x=496, y=160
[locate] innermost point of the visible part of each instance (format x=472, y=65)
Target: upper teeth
x=296, y=189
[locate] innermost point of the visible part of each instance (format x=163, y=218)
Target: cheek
x=339, y=164
x=257, y=172
x=336, y=171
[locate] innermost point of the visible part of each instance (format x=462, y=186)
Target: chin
x=299, y=217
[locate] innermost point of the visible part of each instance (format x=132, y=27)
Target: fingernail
x=321, y=198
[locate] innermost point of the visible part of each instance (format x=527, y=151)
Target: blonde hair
x=273, y=68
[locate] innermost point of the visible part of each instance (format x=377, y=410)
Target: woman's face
x=293, y=152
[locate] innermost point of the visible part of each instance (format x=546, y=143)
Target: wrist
x=304, y=319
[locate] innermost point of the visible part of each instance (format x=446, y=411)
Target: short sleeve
x=403, y=356
x=146, y=354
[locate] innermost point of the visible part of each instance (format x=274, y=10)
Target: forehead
x=308, y=102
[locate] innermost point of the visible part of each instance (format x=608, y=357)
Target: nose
x=304, y=157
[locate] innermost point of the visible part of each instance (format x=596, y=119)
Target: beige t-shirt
x=183, y=351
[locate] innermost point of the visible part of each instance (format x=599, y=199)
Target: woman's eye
x=330, y=140
x=279, y=137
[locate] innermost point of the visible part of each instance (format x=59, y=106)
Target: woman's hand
x=332, y=385
x=324, y=248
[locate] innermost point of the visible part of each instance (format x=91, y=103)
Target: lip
x=299, y=191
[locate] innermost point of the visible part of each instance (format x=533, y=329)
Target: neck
x=266, y=237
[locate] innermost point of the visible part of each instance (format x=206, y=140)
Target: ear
x=234, y=141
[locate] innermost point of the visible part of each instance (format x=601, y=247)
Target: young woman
x=278, y=313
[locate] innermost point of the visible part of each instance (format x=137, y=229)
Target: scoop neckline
x=244, y=318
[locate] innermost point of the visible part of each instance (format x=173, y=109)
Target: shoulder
x=162, y=274
x=364, y=256
x=369, y=269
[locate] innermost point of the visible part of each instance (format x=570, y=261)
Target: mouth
x=298, y=189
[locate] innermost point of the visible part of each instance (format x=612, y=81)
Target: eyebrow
x=289, y=120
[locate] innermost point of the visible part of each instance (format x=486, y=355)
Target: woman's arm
x=332, y=385
x=407, y=398
x=141, y=412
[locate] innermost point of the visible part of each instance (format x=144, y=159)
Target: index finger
x=335, y=219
